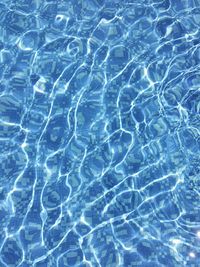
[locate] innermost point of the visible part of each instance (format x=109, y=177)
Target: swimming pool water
x=99, y=133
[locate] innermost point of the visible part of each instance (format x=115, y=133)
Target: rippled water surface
x=99, y=133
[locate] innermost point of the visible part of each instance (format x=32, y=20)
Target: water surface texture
x=99, y=133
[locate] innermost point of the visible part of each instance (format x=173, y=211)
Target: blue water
x=99, y=133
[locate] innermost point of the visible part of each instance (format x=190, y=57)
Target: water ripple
x=99, y=133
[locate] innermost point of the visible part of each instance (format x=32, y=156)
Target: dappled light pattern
x=99, y=133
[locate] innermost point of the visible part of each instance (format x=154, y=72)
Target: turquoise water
x=99, y=133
